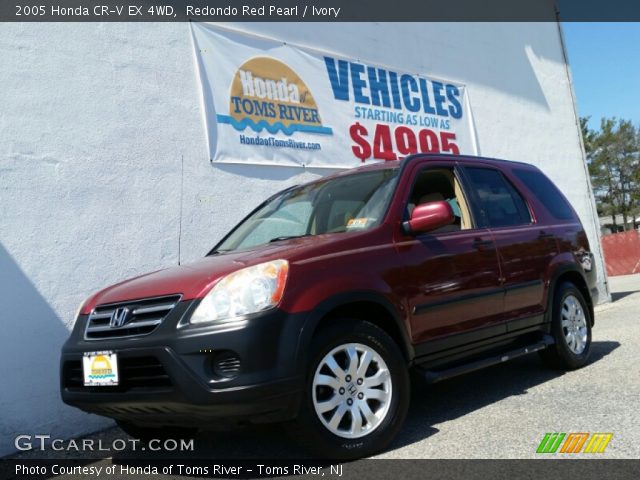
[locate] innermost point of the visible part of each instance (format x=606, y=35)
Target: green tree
x=588, y=136
x=613, y=154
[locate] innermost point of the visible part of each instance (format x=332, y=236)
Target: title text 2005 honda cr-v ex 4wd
x=313, y=309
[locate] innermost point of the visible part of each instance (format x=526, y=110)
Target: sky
x=605, y=67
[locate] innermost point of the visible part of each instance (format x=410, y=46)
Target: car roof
x=404, y=162
x=436, y=157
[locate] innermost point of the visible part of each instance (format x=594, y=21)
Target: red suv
x=314, y=308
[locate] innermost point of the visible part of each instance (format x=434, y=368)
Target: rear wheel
x=571, y=329
x=356, y=393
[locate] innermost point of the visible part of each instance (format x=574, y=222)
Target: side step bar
x=433, y=376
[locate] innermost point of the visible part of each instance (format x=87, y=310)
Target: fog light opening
x=226, y=365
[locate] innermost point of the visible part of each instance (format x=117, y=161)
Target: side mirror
x=429, y=216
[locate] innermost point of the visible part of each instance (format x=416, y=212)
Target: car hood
x=195, y=279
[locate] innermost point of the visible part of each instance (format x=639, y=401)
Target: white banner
x=270, y=103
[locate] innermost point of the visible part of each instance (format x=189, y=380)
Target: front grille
x=138, y=317
x=135, y=372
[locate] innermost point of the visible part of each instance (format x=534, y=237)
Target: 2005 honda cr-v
x=313, y=309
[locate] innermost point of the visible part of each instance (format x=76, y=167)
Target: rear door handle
x=544, y=234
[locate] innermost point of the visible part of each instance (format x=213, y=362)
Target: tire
x=145, y=434
x=571, y=329
x=328, y=424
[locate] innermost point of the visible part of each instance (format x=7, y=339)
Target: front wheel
x=356, y=393
x=571, y=329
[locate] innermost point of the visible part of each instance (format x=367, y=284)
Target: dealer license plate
x=100, y=369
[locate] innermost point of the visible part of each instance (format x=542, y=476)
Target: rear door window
x=497, y=201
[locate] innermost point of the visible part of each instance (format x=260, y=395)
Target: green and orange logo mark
x=574, y=443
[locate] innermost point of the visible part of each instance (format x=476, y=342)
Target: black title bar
x=318, y=10
x=150, y=469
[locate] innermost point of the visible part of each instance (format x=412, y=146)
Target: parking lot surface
x=501, y=412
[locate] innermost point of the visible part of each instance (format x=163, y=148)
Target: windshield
x=354, y=202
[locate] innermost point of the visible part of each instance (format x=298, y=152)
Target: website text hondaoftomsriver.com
x=274, y=142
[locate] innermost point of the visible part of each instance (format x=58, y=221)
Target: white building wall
x=104, y=170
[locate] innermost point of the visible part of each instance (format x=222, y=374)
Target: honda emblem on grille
x=119, y=317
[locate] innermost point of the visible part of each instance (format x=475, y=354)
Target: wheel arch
x=570, y=273
x=368, y=306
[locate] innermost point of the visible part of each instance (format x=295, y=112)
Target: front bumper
x=169, y=377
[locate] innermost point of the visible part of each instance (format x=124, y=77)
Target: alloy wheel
x=352, y=390
x=574, y=324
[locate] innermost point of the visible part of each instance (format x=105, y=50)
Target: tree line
x=613, y=156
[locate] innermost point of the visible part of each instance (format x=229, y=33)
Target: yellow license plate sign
x=100, y=369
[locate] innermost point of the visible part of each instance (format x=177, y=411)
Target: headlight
x=250, y=290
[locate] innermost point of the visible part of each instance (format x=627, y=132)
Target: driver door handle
x=481, y=243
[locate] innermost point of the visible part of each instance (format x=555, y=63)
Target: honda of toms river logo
x=574, y=443
x=268, y=95
x=101, y=368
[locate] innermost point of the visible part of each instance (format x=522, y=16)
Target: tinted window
x=501, y=204
x=546, y=192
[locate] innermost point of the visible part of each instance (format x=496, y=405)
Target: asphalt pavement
x=502, y=412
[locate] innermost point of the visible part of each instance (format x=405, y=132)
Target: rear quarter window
x=546, y=192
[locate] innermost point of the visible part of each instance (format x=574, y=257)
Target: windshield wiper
x=288, y=237
x=217, y=252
